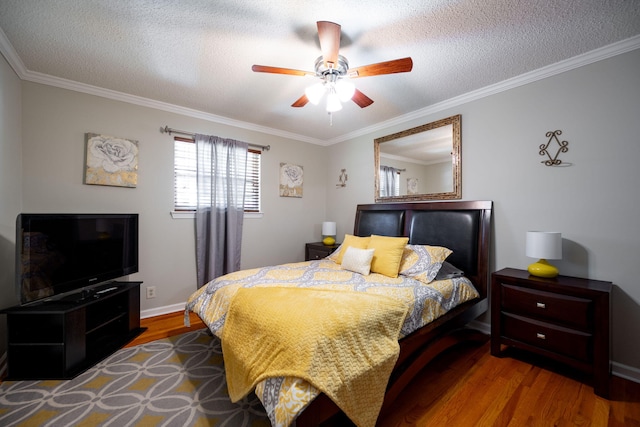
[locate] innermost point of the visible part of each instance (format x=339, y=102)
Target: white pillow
x=357, y=260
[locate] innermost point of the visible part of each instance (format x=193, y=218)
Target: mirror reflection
x=422, y=163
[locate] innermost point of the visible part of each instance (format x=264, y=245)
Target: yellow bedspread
x=343, y=343
x=284, y=397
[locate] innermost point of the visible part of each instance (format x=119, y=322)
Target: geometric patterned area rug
x=176, y=381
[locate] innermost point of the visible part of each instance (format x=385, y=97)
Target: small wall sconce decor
x=544, y=245
x=342, y=179
x=545, y=149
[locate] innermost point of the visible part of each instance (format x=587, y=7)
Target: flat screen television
x=60, y=254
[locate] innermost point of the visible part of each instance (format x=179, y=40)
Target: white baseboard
x=481, y=326
x=618, y=369
x=159, y=311
x=627, y=372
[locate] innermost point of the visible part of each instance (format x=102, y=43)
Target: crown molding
x=596, y=55
x=599, y=54
x=159, y=105
x=10, y=54
x=7, y=50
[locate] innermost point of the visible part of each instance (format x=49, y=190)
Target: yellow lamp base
x=542, y=269
x=329, y=241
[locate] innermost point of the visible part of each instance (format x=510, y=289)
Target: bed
x=236, y=304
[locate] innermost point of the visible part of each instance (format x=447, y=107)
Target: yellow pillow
x=387, y=255
x=352, y=241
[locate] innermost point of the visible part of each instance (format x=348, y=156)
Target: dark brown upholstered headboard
x=464, y=227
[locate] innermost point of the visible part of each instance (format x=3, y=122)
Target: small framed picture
x=291, y=180
x=412, y=185
x=110, y=161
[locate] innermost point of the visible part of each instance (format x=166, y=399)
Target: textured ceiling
x=197, y=54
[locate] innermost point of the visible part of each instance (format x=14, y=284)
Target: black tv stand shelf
x=61, y=338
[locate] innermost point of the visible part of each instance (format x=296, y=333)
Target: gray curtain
x=388, y=177
x=221, y=175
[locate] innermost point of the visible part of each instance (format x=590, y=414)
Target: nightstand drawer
x=318, y=250
x=556, y=308
x=317, y=254
x=546, y=336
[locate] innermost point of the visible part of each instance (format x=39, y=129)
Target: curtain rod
x=396, y=169
x=169, y=130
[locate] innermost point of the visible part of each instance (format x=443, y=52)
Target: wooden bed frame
x=465, y=228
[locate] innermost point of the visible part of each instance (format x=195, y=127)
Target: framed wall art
x=291, y=180
x=412, y=186
x=110, y=161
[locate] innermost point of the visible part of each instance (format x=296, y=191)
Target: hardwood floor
x=467, y=386
x=165, y=326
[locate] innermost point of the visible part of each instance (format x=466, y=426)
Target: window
x=389, y=177
x=185, y=177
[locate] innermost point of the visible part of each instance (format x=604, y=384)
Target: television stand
x=59, y=339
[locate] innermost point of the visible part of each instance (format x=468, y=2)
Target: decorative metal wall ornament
x=545, y=149
x=342, y=179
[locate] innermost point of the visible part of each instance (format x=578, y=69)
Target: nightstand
x=318, y=250
x=564, y=318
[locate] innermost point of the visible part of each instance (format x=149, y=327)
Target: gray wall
x=594, y=202
x=54, y=123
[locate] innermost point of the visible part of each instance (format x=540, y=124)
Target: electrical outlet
x=151, y=292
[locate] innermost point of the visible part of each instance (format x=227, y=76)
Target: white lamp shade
x=544, y=244
x=333, y=102
x=315, y=93
x=328, y=228
x=345, y=90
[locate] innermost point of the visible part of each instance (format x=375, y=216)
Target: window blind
x=185, y=195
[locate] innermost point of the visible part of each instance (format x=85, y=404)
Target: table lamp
x=329, y=233
x=544, y=245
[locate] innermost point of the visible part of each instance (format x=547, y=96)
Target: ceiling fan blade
x=301, y=102
x=278, y=70
x=361, y=99
x=329, y=35
x=402, y=65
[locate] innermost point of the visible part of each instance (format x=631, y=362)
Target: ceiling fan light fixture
x=332, y=69
x=315, y=93
x=345, y=90
x=333, y=102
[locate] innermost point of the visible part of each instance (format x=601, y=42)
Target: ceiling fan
x=334, y=73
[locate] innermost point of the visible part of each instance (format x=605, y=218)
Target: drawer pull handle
x=541, y=305
x=541, y=336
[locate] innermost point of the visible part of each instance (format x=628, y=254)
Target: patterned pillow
x=422, y=262
x=357, y=260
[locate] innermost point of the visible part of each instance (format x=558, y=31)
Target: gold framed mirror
x=422, y=163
